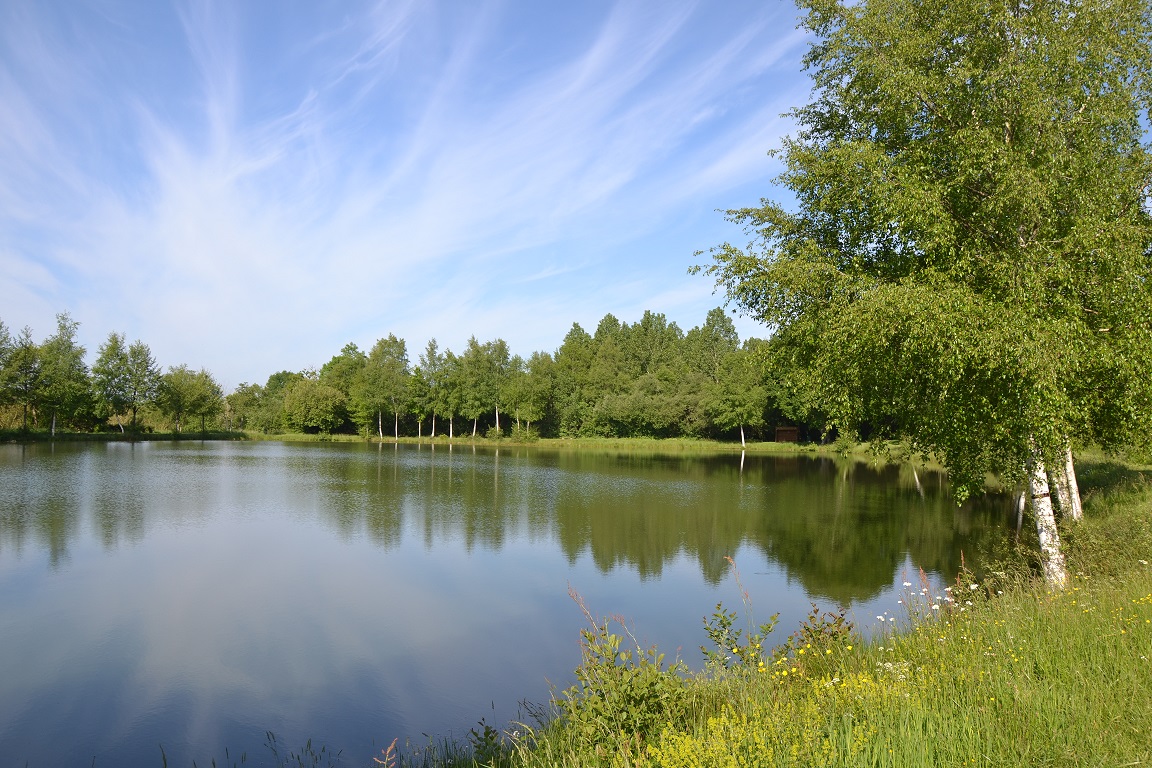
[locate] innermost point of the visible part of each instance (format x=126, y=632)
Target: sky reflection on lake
x=199, y=594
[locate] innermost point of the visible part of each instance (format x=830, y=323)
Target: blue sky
x=248, y=186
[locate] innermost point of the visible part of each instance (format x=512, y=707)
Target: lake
x=196, y=595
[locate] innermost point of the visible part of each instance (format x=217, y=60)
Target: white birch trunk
x=1059, y=484
x=53, y=424
x=433, y=435
x=1051, y=557
x=1076, y=509
x=396, y=426
x=474, y=428
x=1021, y=502
x=742, y=445
x=450, y=427
x=497, y=418
x=380, y=424
x=420, y=429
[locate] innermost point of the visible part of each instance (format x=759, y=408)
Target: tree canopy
x=966, y=262
x=972, y=185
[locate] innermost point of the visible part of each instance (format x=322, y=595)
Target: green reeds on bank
x=992, y=672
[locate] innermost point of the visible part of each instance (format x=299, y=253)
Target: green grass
x=1002, y=673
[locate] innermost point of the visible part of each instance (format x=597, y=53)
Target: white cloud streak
x=420, y=168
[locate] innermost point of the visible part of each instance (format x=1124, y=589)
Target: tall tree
x=175, y=393
x=706, y=347
x=271, y=416
x=383, y=383
x=309, y=405
x=966, y=262
x=66, y=392
x=142, y=376
x=475, y=383
x=342, y=372
x=739, y=396
x=24, y=374
x=184, y=392
x=110, y=378
x=242, y=405
x=451, y=398
x=573, y=361
x=6, y=347
x=432, y=370
x=498, y=365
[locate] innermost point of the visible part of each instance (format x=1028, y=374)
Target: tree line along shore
x=644, y=379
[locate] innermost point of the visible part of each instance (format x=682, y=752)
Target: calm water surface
x=197, y=595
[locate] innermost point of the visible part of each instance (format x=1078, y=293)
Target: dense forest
x=648, y=378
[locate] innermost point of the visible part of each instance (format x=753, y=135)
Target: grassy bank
x=990, y=673
x=39, y=436
x=654, y=445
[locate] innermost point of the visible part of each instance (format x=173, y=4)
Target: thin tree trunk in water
x=1076, y=509
x=916, y=478
x=1051, y=557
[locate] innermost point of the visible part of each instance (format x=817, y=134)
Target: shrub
x=623, y=693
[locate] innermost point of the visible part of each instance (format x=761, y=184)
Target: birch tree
x=110, y=378
x=966, y=260
x=432, y=368
x=382, y=385
x=65, y=389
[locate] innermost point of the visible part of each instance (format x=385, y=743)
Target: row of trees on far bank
x=48, y=385
x=648, y=378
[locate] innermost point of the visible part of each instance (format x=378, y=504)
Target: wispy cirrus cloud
x=247, y=187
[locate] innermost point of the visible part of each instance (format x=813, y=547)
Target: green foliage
x=524, y=434
x=623, y=693
x=966, y=263
x=313, y=407
x=184, y=392
x=65, y=387
x=381, y=385
x=23, y=374
x=488, y=744
x=732, y=651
